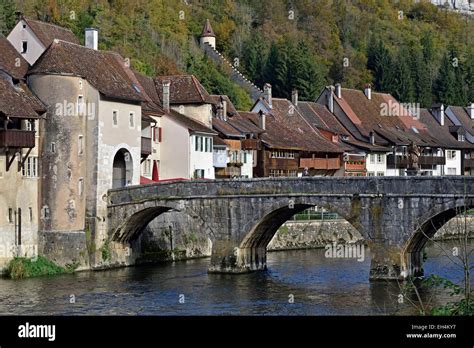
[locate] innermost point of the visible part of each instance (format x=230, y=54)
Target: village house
x=455, y=147
x=20, y=114
x=354, y=158
x=462, y=119
x=91, y=140
x=237, y=134
x=32, y=37
x=292, y=146
x=185, y=143
x=378, y=119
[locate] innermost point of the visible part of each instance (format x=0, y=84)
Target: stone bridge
x=395, y=215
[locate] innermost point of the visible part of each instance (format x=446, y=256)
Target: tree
x=402, y=85
x=421, y=79
x=7, y=16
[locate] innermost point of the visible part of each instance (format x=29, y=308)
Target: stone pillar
x=387, y=262
x=228, y=257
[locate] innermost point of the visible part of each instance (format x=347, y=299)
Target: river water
x=317, y=285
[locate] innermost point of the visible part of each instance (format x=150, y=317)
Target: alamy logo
x=37, y=331
x=345, y=251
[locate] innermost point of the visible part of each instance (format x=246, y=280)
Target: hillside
x=416, y=51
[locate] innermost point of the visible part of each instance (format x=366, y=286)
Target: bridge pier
x=228, y=257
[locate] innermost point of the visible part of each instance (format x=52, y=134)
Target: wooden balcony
x=320, y=163
x=250, y=144
x=17, y=138
x=402, y=161
x=468, y=163
x=146, y=146
x=355, y=166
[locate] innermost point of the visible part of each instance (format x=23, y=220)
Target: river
x=318, y=286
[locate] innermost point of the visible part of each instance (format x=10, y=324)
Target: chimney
x=368, y=91
x=470, y=110
x=262, y=119
x=338, y=90
x=372, y=138
x=294, y=97
x=438, y=111
x=92, y=38
x=223, y=110
x=330, y=98
x=18, y=15
x=267, y=93
x=166, y=95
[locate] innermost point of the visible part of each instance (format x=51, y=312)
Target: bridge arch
x=253, y=247
x=426, y=231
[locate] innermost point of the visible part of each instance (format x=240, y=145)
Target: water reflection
x=318, y=286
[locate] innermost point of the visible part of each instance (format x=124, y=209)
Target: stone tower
x=207, y=35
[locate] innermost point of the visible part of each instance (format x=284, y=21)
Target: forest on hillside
x=412, y=49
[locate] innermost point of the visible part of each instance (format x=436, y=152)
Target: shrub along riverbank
x=22, y=267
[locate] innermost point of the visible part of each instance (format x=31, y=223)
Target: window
x=147, y=167
x=277, y=172
x=211, y=144
x=30, y=169
x=199, y=173
x=29, y=125
x=372, y=158
x=461, y=137
x=30, y=209
x=53, y=147
x=380, y=159
x=206, y=144
x=282, y=154
x=132, y=120
x=451, y=154
x=80, y=186
x=115, y=118
x=370, y=174
x=451, y=171
x=244, y=157
x=24, y=46
x=80, y=84
x=292, y=173
x=80, y=144
x=10, y=215
x=380, y=174
x=80, y=105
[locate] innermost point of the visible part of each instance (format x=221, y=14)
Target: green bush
x=22, y=267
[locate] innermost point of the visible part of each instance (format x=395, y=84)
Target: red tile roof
x=16, y=102
x=11, y=61
x=184, y=89
x=47, y=32
x=102, y=69
x=207, y=30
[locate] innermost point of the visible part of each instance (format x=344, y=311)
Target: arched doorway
x=122, y=169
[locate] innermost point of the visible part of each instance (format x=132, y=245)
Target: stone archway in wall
x=426, y=231
x=122, y=169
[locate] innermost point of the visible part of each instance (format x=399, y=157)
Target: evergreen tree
x=7, y=16
x=421, y=78
x=402, y=86
x=445, y=84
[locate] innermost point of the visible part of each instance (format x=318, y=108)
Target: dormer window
x=461, y=137
x=24, y=46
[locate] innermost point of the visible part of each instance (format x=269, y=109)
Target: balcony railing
x=17, y=138
x=146, y=146
x=320, y=163
x=355, y=166
x=401, y=161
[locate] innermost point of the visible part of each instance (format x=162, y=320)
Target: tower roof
x=207, y=30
